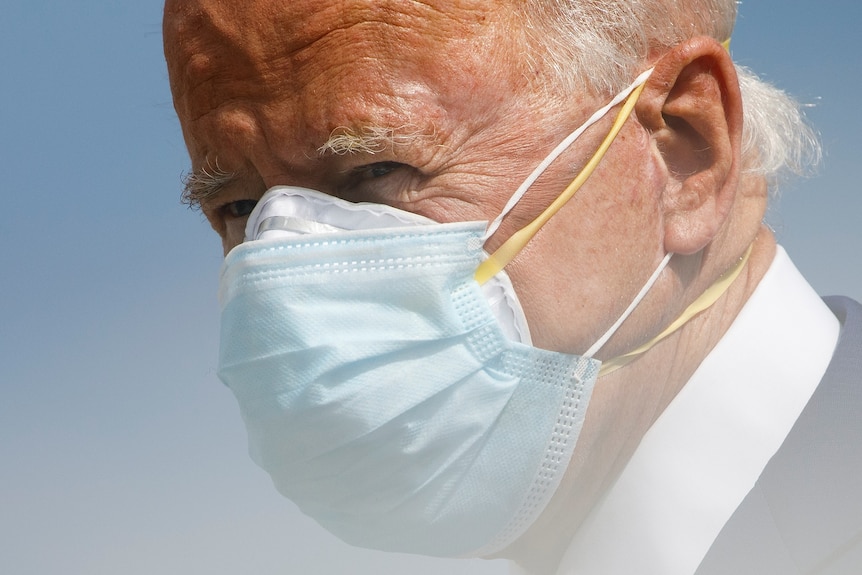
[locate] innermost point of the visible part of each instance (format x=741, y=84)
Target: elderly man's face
x=260, y=86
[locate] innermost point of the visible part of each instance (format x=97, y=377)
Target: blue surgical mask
x=388, y=394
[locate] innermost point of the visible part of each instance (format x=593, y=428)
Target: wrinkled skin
x=261, y=103
x=260, y=85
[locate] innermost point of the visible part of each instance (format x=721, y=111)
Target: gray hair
x=600, y=45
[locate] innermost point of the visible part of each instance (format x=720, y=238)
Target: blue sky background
x=120, y=452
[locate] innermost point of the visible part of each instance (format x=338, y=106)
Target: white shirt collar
x=705, y=452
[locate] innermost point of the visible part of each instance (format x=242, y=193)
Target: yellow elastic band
x=703, y=302
x=512, y=246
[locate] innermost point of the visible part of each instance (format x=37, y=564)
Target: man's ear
x=692, y=106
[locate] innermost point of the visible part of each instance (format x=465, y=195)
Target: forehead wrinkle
x=222, y=49
x=218, y=51
x=377, y=80
x=414, y=16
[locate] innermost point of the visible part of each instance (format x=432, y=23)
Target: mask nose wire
x=512, y=246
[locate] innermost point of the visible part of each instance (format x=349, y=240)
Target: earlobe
x=693, y=108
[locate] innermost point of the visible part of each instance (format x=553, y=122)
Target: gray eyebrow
x=205, y=182
x=372, y=139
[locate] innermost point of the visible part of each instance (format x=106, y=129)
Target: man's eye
x=380, y=182
x=379, y=169
x=240, y=208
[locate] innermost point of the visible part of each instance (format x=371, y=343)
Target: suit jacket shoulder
x=804, y=515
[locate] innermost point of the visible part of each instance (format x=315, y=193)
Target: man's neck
x=646, y=387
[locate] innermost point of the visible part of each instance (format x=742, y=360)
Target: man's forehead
x=371, y=53
x=215, y=41
x=289, y=26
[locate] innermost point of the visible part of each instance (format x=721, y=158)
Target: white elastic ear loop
x=561, y=147
x=641, y=294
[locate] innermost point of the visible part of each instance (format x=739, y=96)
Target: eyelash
x=378, y=170
x=360, y=175
x=240, y=208
x=380, y=182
